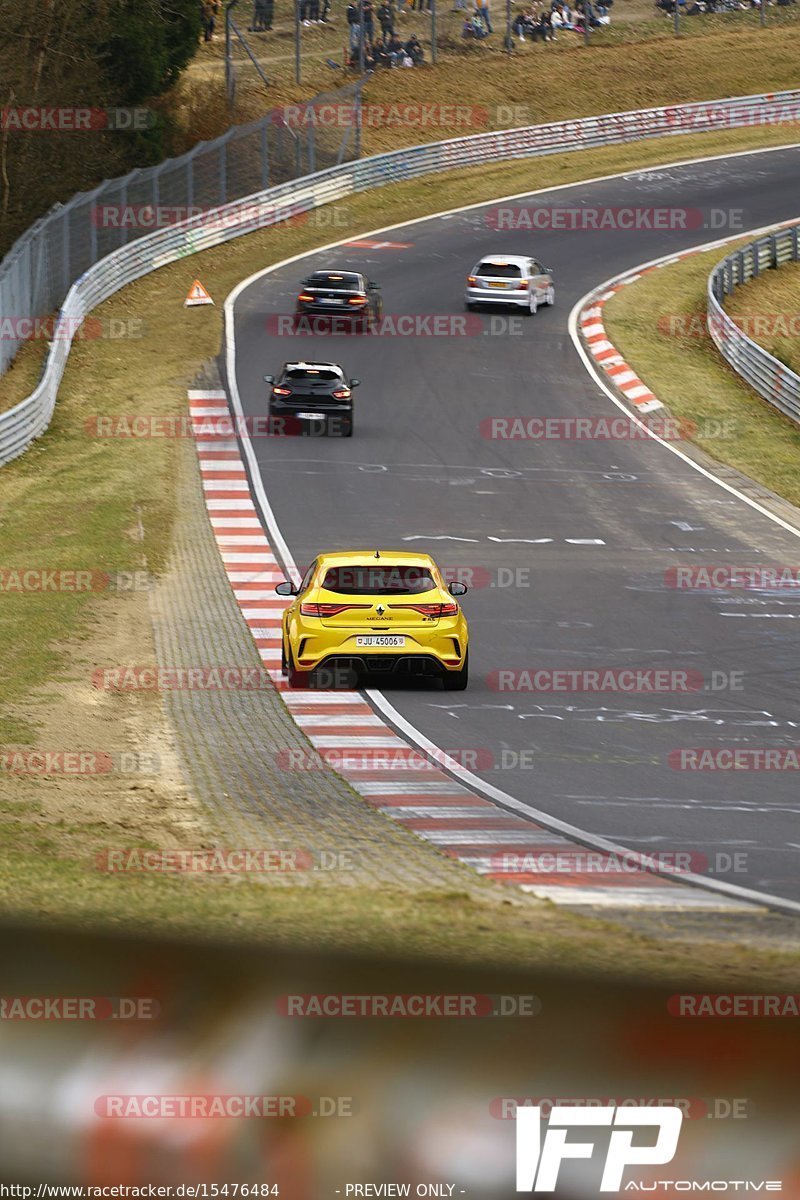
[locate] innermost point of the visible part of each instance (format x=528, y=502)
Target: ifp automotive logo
x=539, y=1158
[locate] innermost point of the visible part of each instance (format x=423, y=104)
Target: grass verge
x=658, y=325
x=768, y=309
x=76, y=502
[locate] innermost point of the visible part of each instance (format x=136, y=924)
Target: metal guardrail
x=772, y=379
x=30, y=418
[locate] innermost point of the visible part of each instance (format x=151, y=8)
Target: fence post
x=264, y=154
x=297, y=60
x=433, y=32
x=223, y=172
x=312, y=157
x=359, y=86
x=65, y=247
x=123, y=199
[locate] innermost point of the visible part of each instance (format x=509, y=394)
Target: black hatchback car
x=342, y=298
x=311, y=398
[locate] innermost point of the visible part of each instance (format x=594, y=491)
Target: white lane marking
x=685, y=527
x=279, y=543
x=438, y=537
x=585, y=541
x=786, y=616
x=527, y=541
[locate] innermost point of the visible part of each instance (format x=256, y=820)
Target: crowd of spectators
x=374, y=22
x=543, y=21
x=385, y=50
x=694, y=8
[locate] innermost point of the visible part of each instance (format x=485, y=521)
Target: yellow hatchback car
x=373, y=612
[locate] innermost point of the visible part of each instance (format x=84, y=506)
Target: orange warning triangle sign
x=197, y=295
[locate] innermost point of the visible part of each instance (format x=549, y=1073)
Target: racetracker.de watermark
x=720, y=577
x=595, y=862
x=758, y=326
x=602, y=429
x=17, y=760
x=24, y=328
x=542, y=218
x=733, y=1004
x=78, y=1008
x=739, y=758
x=176, y=679
x=252, y=860
x=504, y=1108
x=409, y=115
x=380, y=758
x=258, y=214
x=342, y=323
x=67, y=118
x=433, y=1005
x=613, y=680
x=36, y=580
x=212, y=1106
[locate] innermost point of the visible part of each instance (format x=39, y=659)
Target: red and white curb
x=402, y=781
x=605, y=353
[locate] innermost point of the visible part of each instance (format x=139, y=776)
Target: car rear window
x=304, y=375
x=332, y=279
x=500, y=270
x=378, y=580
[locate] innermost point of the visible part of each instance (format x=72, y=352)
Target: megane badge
x=380, y=610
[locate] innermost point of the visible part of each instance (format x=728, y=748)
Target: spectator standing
x=369, y=20
x=207, y=20
x=386, y=20
x=354, y=24
x=483, y=11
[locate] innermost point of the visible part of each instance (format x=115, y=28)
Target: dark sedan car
x=311, y=398
x=337, y=298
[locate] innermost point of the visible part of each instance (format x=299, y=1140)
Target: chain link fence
x=771, y=378
x=42, y=265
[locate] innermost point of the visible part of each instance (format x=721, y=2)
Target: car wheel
x=456, y=681
x=471, y=307
x=550, y=297
x=347, y=427
x=284, y=664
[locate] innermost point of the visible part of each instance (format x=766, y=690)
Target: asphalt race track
x=569, y=541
